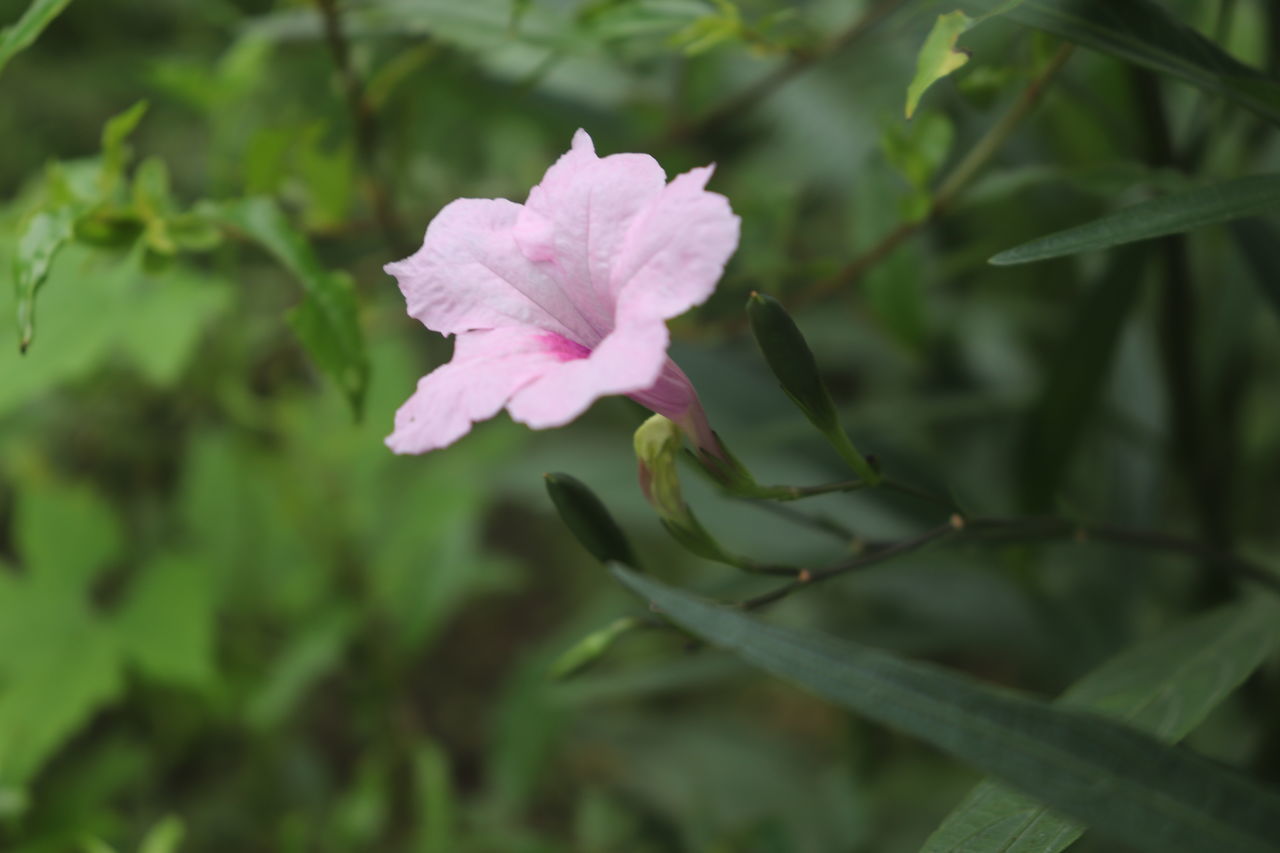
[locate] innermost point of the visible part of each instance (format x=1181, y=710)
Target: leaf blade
x=1152, y=686
x=1170, y=214
x=1144, y=33
x=1127, y=785
x=939, y=56
x=327, y=320
x=21, y=34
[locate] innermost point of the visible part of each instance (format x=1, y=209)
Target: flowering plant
x=564, y=299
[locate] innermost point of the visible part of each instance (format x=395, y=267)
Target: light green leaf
x=1171, y=214
x=308, y=656
x=58, y=663
x=20, y=35
x=435, y=795
x=326, y=321
x=1123, y=783
x=153, y=320
x=39, y=241
x=1166, y=686
x=115, y=153
x=939, y=56
x=46, y=231
x=164, y=837
x=166, y=624
x=1144, y=33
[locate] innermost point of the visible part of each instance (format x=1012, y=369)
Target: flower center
x=563, y=348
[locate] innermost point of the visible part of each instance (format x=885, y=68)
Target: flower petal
x=470, y=274
x=487, y=368
x=628, y=360
x=577, y=219
x=675, y=250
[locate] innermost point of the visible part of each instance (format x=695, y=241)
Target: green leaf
x=115, y=153
x=1170, y=214
x=1144, y=33
x=590, y=648
x=1257, y=240
x=1122, y=782
x=327, y=321
x=1057, y=420
x=939, y=56
x=46, y=231
x=39, y=241
x=58, y=663
x=1165, y=686
x=166, y=624
x=164, y=837
x=435, y=795
x=153, y=320
x=20, y=35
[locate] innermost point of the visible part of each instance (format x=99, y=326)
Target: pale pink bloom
x=563, y=299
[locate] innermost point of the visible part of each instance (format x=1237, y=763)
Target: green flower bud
x=792, y=362
x=585, y=515
x=657, y=444
x=591, y=647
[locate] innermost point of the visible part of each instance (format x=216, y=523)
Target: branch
x=1021, y=530
x=948, y=190
x=365, y=127
x=746, y=99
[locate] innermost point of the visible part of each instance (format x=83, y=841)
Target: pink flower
x=564, y=299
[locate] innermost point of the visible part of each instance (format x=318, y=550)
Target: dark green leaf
x=1165, y=686
x=1122, y=782
x=20, y=35
x=327, y=321
x=1144, y=33
x=589, y=520
x=1258, y=240
x=1075, y=382
x=1171, y=214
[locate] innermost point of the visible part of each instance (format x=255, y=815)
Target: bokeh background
x=227, y=611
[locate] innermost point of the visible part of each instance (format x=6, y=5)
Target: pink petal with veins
x=562, y=300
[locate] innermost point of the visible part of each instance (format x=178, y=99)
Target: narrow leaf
x=939, y=56
x=1122, y=782
x=20, y=35
x=1258, y=240
x=326, y=321
x=1142, y=32
x=1171, y=214
x=1058, y=419
x=1165, y=686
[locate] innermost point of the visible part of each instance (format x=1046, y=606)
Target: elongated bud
x=591, y=647
x=585, y=515
x=792, y=362
x=658, y=443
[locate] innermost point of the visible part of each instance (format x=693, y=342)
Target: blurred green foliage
x=230, y=619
